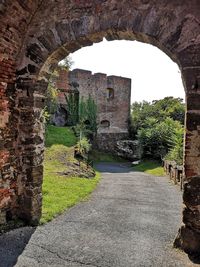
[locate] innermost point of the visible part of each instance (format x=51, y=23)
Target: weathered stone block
x=193, y=120
x=191, y=218
x=188, y=240
x=191, y=193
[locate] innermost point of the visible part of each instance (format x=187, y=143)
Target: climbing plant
x=88, y=115
x=72, y=100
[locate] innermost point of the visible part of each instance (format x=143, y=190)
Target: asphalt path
x=131, y=219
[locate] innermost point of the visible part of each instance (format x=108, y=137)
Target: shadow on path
x=114, y=167
x=12, y=245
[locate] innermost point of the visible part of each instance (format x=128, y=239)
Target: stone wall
x=112, y=96
x=36, y=35
x=107, y=141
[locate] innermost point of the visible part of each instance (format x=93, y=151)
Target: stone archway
x=36, y=35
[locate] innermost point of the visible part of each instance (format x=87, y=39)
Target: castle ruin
x=112, y=114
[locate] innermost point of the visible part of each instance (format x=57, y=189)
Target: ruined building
x=36, y=35
x=112, y=114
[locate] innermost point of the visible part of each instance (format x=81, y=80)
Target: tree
x=87, y=122
x=157, y=125
x=72, y=107
x=156, y=138
x=176, y=146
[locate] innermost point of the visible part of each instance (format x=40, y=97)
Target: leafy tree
x=87, y=117
x=176, y=146
x=159, y=127
x=72, y=100
x=171, y=107
x=158, y=109
x=156, y=138
x=91, y=114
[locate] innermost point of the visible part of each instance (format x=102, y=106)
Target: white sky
x=154, y=75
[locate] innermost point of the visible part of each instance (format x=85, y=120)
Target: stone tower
x=112, y=96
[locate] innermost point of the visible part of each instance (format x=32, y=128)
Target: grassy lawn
x=150, y=167
x=59, y=135
x=60, y=192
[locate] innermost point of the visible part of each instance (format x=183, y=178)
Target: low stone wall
x=106, y=142
x=174, y=171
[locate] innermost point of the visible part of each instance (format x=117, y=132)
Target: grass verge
x=59, y=135
x=150, y=167
x=60, y=192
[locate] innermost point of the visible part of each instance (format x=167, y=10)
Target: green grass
x=60, y=192
x=98, y=156
x=150, y=167
x=59, y=135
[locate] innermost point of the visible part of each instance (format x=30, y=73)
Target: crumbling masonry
x=112, y=96
x=36, y=35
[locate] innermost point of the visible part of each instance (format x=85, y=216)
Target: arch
x=43, y=33
x=105, y=124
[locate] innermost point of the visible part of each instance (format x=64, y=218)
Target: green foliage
x=88, y=113
x=158, y=109
x=59, y=135
x=87, y=125
x=83, y=146
x=156, y=124
x=176, y=146
x=91, y=114
x=59, y=192
x=51, y=100
x=72, y=100
x=155, y=139
x=150, y=167
x=51, y=96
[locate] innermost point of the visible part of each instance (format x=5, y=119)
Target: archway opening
x=41, y=48
x=82, y=80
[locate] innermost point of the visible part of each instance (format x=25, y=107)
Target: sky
x=154, y=75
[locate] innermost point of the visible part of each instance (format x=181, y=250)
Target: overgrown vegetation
x=86, y=127
x=88, y=116
x=51, y=97
x=61, y=192
x=159, y=128
x=72, y=107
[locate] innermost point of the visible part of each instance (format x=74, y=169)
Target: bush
x=156, y=139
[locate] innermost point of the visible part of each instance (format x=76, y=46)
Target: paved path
x=130, y=220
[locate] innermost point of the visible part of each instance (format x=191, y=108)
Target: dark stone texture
x=188, y=240
x=193, y=100
x=107, y=141
x=193, y=120
x=191, y=193
x=128, y=149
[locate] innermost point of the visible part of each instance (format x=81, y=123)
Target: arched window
x=105, y=124
x=110, y=93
